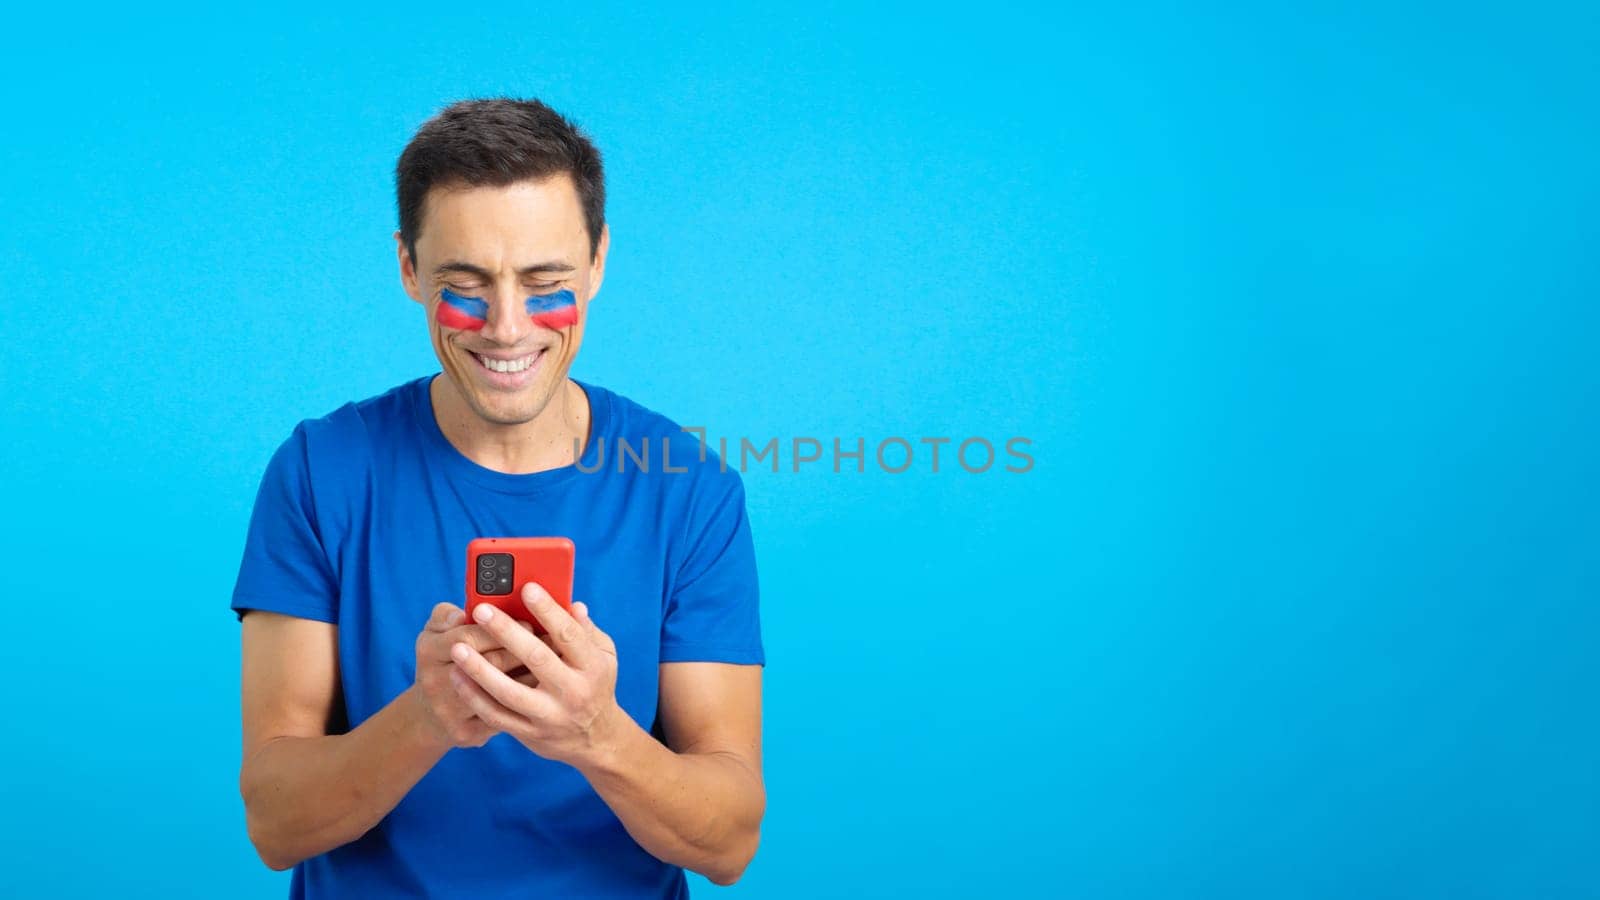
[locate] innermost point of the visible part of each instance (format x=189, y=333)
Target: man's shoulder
x=330, y=459
x=357, y=421
x=337, y=445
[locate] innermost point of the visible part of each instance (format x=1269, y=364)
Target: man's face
x=501, y=246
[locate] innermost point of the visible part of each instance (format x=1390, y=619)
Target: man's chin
x=503, y=407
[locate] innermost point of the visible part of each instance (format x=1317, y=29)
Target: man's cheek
x=553, y=311
x=464, y=313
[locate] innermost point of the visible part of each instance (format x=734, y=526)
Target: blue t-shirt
x=363, y=519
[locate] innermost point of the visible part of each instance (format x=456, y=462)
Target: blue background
x=1298, y=307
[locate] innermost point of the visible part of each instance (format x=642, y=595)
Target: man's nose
x=508, y=318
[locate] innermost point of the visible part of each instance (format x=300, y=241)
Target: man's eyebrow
x=554, y=265
x=455, y=265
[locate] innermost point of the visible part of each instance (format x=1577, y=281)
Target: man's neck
x=554, y=438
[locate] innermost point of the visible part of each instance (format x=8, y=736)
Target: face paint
x=554, y=311
x=456, y=311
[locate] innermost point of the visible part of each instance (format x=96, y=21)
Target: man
x=391, y=746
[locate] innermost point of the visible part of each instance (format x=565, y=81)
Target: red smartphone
x=497, y=568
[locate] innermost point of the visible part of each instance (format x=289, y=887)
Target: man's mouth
x=509, y=373
x=511, y=365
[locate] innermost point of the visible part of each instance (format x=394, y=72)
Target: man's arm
x=697, y=802
x=306, y=791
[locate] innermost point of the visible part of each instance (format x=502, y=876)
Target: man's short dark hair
x=494, y=143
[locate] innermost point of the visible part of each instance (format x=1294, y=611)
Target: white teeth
x=507, y=365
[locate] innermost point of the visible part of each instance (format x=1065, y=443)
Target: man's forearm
x=701, y=811
x=306, y=795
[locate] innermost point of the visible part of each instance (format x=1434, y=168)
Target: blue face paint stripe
x=557, y=310
x=475, y=307
x=543, y=303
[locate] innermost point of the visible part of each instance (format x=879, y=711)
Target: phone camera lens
x=494, y=573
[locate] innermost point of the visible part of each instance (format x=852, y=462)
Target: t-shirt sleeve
x=713, y=613
x=285, y=567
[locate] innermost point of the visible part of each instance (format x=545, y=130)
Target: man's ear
x=408, y=270
x=598, y=267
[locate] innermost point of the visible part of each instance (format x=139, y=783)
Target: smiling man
x=392, y=747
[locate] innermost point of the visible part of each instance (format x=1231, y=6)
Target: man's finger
x=599, y=638
x=580, y=611
x=437, y=644
x=445, y=616
x=482, y=706
x=539, y=658
x=566, y=635
x=515, y=697
x=503, y=659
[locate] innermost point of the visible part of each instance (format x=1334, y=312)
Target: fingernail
x=459, y=652
x=484, y=612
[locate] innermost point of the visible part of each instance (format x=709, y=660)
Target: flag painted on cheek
x=553, y=311
x=456, y=311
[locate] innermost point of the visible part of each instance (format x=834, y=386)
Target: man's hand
x=571, y=711
x=438, y=701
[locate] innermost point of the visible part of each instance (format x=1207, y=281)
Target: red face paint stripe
x=450, y=317
x=556, y=319
x=554, y=311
